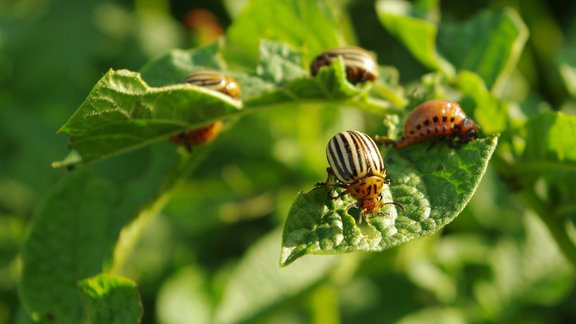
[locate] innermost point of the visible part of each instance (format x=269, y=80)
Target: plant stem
x=131, y=233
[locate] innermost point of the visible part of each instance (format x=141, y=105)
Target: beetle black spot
x=443, y=129
x=426, y=122
x=435, y=119
x=444, y=119
x=452, y=119
x=418, y=126
x=436, y=130
x=412, y=132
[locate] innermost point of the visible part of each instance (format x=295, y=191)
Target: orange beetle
x=438, y=119
x=212, y=80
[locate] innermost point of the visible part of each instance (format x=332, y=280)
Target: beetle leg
x=394, y=203
x=332, y=185
x=381, y=140
x=326, y=183
x=363, y=216
x=455, y=142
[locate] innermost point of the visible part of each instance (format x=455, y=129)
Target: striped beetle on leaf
x=359, y=169
x=360, y=65
x=213, y=80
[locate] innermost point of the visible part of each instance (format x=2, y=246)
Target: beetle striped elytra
x=438, y=119
x=356, y=163
x=360, y=65
x=216, y=81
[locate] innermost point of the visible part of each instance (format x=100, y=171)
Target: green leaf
x=75, y=229
x=68, y=240
x=307, y=25
x=551, y=138
x=279, y=63
x=489, y=44
x=184, y=298
x=258, y=282
x=112, y=299
x=123, y=113
x=173, y=67
x=417, y=34
x=490, y=113
x=527, y=270
x=433, y=185
x=566, y=61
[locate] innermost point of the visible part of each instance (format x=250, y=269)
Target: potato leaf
x=433, y=185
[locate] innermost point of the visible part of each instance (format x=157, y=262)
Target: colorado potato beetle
x=212, y=80
x=438, y=119
x=356, y=163
x=360, y=65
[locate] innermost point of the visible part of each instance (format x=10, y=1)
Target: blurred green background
x=495, y=263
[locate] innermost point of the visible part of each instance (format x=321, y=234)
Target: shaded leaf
x=258, y=282
x=112, y=299
x=76, y=230
x=432, y=185
x=68, y=241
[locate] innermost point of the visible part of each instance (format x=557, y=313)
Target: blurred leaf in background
x=509, y=256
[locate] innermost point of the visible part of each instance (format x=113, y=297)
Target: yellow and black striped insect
x=359, y=169
x=360, y=65
x=212, y=80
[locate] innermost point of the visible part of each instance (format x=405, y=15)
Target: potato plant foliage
x=133, y=229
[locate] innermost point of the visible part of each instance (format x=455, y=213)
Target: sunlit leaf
x=307, y=25
x=417, y=34
x=490, y=113
x=489, y=44
x=551, y=138
x=123, y=113
x=433, y=185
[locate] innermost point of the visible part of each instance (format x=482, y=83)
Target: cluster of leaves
x=125, y=173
